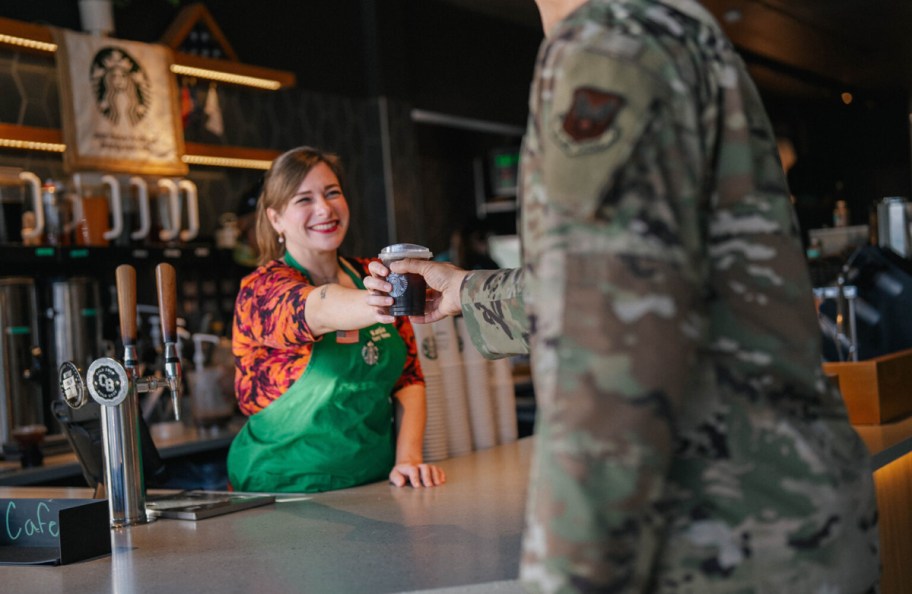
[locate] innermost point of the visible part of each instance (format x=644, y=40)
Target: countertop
x=887, y=442
x=463, y=536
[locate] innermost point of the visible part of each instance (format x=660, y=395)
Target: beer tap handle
x=167, y=304
x=126, y=302
x=126, y=307
x=167, y=301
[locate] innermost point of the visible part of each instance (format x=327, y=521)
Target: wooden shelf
x=11, y=31
x=234, y=69
x=13, y=136
x=31, y=138
x=217, y=155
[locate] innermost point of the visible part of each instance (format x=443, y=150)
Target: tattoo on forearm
x=323, y=291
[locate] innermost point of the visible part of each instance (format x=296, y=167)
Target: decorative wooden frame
x=186, y=19
x=89, y=134
x=39, y=39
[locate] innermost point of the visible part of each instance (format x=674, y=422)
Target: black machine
x=83, y=431
x=882, y=306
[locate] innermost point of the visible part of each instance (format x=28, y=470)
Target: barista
x=316, y=373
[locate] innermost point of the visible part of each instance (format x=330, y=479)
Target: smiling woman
x=318, y=370
x=313, y=223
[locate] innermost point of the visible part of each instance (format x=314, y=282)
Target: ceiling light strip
x=227, y=162
x=30, y=145
x=235, y=79
x=33, y=44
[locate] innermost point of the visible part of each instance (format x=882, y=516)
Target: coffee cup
x=409, y=290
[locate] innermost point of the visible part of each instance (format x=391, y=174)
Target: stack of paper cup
x=504, y=397
x=435, y=429
x=449, y=360
x=481, y=408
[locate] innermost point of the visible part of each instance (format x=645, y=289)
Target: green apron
x=333, y=428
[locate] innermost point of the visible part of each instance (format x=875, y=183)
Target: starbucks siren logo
x=120, y=85
x=429, y=347
x=370, y=353
x=399, y=282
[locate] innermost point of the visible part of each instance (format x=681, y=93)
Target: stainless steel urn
x=21, y=403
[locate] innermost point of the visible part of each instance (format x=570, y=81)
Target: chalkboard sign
x=53, y=531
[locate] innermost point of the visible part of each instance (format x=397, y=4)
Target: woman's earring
x=281, y=238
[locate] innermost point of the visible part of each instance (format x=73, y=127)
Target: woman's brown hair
x=281, y=182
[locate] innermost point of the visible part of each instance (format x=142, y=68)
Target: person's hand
x=443, y=280
x=379, y=300
x=418, y=475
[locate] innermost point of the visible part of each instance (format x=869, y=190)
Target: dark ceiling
x=796, y=46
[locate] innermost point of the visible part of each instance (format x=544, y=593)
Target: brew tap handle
x=173, y=209
x=192, y=230
x=167, y=305
x=126, y=307
x=34, y=182
x=116, y=207
x=142, y=196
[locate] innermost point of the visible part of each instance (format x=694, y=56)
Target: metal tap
x=167, y=304
x=115, y=387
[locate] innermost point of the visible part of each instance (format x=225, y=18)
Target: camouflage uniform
x=687, y=440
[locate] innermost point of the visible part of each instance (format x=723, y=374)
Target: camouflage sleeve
x=494, y=312
x=614, y=295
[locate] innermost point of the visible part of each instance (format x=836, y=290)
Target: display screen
x=504, y=167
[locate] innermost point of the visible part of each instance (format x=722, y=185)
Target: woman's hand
x=418, y=475
x=443, y=280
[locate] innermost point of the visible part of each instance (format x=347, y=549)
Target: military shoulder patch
x=591, y=113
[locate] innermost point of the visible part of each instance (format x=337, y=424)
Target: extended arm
x=490, y=300
x=334, y=307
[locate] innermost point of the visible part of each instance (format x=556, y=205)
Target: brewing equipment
x=21, y=404
x=21, y=221
x=188, y=191
x=893, y=220
x=76, y=321
x=101, y=209
x=167, y=211
x=141, y=192
x=115, y=387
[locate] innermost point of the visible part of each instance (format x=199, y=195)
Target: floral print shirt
x=272, y=342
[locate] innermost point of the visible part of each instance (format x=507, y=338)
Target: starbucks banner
x=120, y=106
